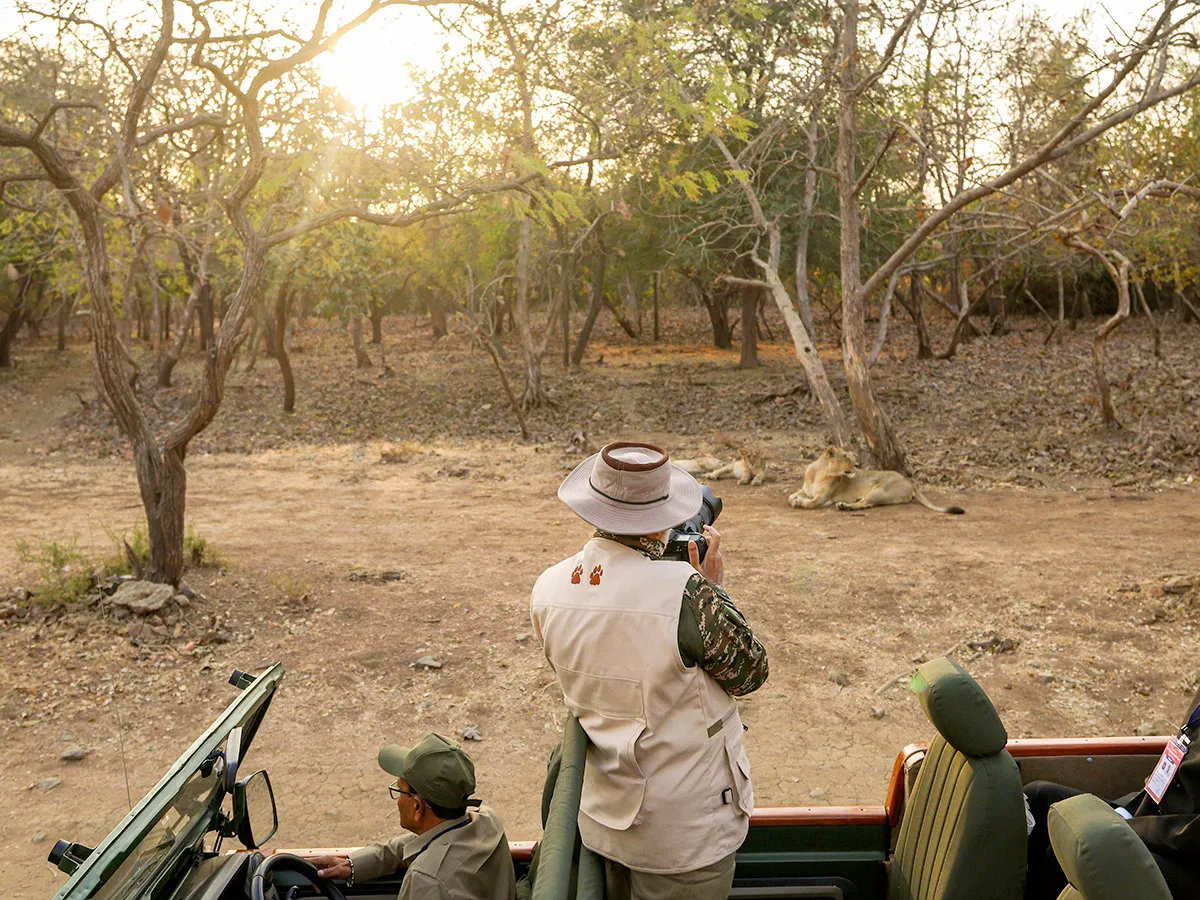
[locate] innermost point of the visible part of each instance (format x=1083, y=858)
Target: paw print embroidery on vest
x=596, y=573
x=576, y=574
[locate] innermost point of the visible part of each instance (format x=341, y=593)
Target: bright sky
x=370, y=65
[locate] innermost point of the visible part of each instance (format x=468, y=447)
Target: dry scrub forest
x=397, y=516
x=306, y=309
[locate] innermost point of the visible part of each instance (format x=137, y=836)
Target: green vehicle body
x=802, y=852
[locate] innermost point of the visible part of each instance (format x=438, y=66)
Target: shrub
x=198, y=552
x=291, y=587
x=64, y=571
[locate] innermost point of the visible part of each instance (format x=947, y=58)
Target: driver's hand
x=331, y=866
x=713, y=567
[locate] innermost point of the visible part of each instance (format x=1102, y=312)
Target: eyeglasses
x=396, y=792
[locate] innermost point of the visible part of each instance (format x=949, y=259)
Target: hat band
x=592, y=485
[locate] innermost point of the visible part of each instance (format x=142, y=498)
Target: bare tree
x=1080, y=126
x=159, y=461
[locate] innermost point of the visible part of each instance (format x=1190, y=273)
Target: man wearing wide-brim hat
x=650, y=654
x=452, y=848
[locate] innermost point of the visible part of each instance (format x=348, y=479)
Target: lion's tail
x=952, y=510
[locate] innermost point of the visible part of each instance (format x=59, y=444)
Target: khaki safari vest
x=666, y=787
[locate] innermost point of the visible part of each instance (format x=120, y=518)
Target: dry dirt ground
x=1070, y=537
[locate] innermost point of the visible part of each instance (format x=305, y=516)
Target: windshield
x=139, y=867
x=181, y=806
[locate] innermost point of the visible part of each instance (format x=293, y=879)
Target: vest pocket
x=614, y=786
x=739, y=772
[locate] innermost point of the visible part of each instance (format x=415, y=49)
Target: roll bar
x=560, y=838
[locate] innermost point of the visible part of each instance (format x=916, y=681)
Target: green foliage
x=138, y=544
x=199, y=553
x=64, y=571
x=292, y=587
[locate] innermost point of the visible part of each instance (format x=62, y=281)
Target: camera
x=692, y=531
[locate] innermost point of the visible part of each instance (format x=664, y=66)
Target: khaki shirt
x=461, y=859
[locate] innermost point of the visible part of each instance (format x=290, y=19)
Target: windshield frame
x=247, y=710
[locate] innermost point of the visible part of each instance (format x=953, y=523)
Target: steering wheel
x=288, y=862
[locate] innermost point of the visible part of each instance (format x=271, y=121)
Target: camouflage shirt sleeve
x=714, y=635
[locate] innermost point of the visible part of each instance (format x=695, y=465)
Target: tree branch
x=867, y=172
x=1055, y=148
x=149, y=137
x=137, y=103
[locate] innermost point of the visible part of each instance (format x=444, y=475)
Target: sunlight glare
x=370, y=66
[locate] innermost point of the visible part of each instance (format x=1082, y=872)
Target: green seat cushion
x=963, y=832
x=1102, y=857
x=958, y=708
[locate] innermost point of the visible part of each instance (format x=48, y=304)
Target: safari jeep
x=952, y=824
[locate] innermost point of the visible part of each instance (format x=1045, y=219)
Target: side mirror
x=254, y=811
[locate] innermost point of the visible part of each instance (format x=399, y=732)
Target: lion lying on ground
x=750, y=468
x=833, y=479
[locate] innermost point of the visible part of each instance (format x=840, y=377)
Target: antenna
x=121, y=743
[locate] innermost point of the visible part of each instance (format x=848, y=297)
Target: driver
x=452, y=848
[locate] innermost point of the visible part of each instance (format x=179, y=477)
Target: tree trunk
x=885, y=312
x=163, y=483
x=1120, y=276
x=361, y=359
x=998, y=303
x=534, y=394
x=716, y=302
x=252, y=342
x=156, y=338
x=803, y=300
x=961, y=328
x=1183, y=310
x=206, y=317
x=1085, y=305
x=11, y=325
x=806, y=352
x=657, y=287
x=282, y=302
x=172, y=354
x=749, y=358
x=916, y=311
x=566, y=278
x=871, y=418
x=595, y=301
x=141, y=329
x=376, y=323
x=1062, y=300
x=628, y=327
x=809, y=358
x=66, y=306
x=437, y=312
x=1154, y=325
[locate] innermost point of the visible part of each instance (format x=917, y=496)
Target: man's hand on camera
x=713, y=567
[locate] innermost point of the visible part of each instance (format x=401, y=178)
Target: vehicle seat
x=1102, y=857
x=963, y=832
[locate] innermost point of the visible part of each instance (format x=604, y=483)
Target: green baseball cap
x=436, y=769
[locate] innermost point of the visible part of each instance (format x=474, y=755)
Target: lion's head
x=838, y=461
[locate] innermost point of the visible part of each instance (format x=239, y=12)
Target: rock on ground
x=142, y=597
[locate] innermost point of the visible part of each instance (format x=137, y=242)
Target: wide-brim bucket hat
x=631, y=488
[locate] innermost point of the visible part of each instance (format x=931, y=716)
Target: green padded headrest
x=958, y=708
x=1100, y=854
